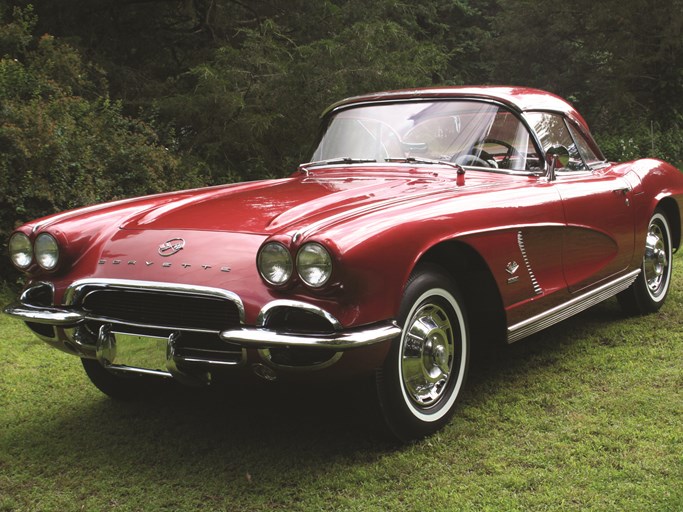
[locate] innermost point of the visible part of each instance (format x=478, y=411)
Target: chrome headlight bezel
x=46, y=251
x=274, y=262
x=314, y=264
x=20, y=250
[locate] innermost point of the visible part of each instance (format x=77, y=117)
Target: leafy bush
x=64, y=143
x=642, y=141
x=252, y=111
x=187, y=93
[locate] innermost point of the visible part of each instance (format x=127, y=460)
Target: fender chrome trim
x=570, y=308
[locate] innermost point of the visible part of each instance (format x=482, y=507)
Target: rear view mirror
x=557, y=158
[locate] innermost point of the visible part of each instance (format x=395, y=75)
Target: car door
x=598, y=241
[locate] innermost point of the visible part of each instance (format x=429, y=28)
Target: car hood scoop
x=267, y=207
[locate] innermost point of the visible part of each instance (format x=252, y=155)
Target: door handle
x=622, y=190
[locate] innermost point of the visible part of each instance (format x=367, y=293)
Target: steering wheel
x=511, y=151
x=469, y=159
x=482, y=158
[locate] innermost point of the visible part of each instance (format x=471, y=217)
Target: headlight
x=275, y=263
x=47, y=251
x=20, y=250
x=314, y=264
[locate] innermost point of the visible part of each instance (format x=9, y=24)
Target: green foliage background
x=102, y=99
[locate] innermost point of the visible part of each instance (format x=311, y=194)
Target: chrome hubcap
x=655, y=260
x=428, y=355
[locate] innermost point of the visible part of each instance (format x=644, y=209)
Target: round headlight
x=20, y=250
x=275, y=263
x=47, y=251
x=314, y=264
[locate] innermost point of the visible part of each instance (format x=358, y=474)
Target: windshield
x=468, y=133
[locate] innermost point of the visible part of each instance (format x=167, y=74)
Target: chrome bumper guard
x=156, y=355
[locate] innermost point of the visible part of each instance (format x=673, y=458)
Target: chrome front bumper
x=315, y=340
x=249, y=337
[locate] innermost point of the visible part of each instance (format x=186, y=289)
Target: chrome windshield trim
x=74, y=293
x=341, y=340
x=271, y=307
x=507, y=172
x=425, y=166
x=570, y=308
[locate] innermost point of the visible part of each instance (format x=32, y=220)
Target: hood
x=275, y=205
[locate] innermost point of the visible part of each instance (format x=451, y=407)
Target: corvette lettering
x=223, y=268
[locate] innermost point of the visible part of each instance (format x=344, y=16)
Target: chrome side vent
x=520, y=242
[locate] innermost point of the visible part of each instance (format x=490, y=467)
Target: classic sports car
x=427, y=222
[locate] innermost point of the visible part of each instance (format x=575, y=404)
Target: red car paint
x=546, y=241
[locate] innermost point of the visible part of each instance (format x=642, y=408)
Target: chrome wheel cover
x=656, y=260
x=428, y=355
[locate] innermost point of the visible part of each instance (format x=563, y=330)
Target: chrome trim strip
x=143, y=371
x=269, y=309
x=341, y=340
x=74, y=292
x=570, y=308
x=210, y=362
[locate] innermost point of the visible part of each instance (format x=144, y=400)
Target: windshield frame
x=330, y=115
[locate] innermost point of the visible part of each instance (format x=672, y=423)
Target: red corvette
x=427, y=222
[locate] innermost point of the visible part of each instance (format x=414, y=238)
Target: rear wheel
x=424, y=373
x=649, y=290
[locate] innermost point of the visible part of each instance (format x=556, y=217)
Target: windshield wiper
x=332, y=161
x=430, y=161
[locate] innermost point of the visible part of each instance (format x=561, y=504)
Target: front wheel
x=425, y=370
x=649, y=290
x=119, y=387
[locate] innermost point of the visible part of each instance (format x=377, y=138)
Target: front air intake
x=175, y=311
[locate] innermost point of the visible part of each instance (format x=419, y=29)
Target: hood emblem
x=171, y=247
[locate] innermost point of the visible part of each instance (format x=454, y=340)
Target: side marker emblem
x=512, y=267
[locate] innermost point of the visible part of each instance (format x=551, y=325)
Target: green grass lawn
x=587, y=415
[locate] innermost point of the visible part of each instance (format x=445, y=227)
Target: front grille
x=172, y=310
